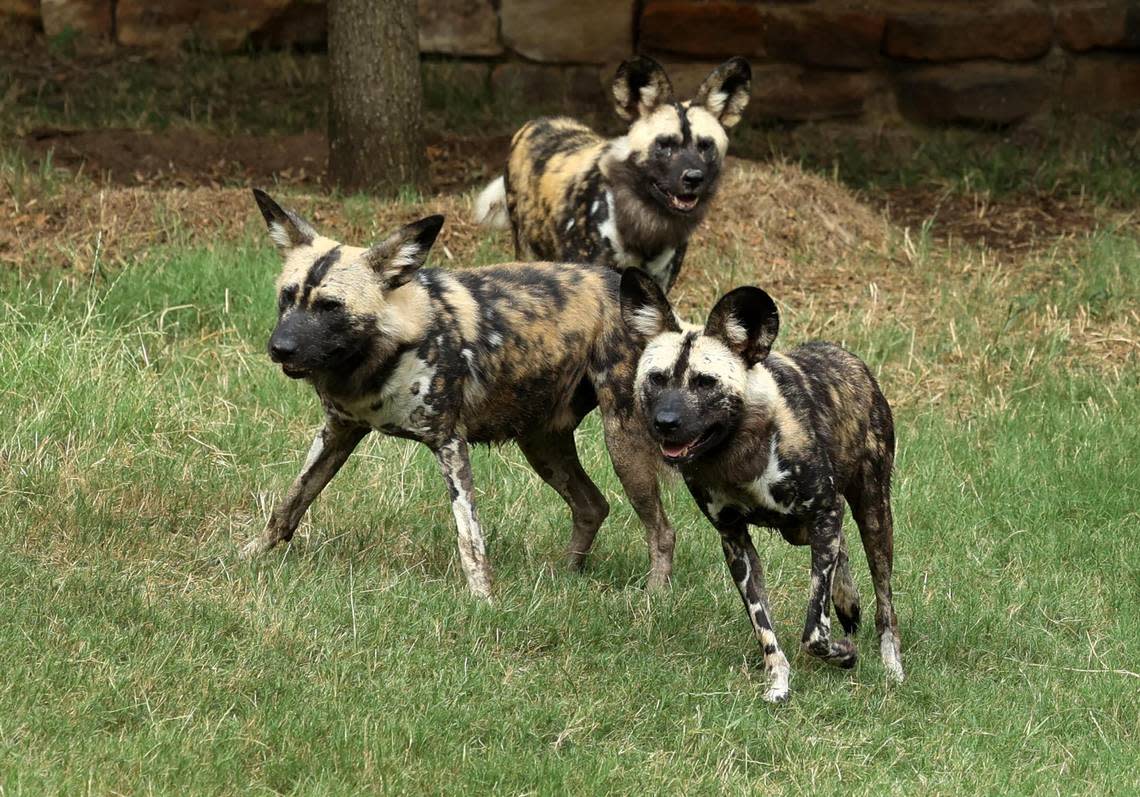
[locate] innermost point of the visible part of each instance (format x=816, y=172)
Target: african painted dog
x=776, y=440
x=515, y=352
x=571, y=195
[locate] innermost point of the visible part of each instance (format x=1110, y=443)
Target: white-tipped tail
x=491, y=206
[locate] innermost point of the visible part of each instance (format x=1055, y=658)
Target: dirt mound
x=789, y=231
x=773, y=224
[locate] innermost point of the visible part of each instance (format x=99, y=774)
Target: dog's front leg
x=825, y=540
x=455, y=462
x=331, y=447
x=748, y=575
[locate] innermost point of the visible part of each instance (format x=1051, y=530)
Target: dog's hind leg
x=331, y=448
x=455, y=462
x=636, y=464
x=554, y=457
x=844, y=593
x=872, y=511
x=748, y=575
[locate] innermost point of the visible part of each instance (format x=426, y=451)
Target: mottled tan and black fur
x=571, y=195
x=513, y=352
x=776, y=440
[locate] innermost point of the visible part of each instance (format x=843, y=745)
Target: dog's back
x=836, y=398
x=553, y=187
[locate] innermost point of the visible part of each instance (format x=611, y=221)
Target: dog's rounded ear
x=745, y=320
x=399, y=256
x=639, y=87
x=287, y=229
x=725, y=92
x=644, y=309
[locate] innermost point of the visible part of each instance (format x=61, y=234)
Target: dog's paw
x=779, y=676
x=892, y=660
x=839, y=652
x=253, y=548
x=776, y=695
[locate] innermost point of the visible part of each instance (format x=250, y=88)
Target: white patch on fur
x=491, y=205
x=776, y=665
x=735, y=331
x=710, y=356
x=659, y=355
x=474, y=391
x=407, y=255
x=892, y=660
x=717, y=503
x=705, y=125
x=658, y=267
x=402, y=399
x=314, y=451
x=648, y=95
x=570, y=225
x=609, y=232
x=494, y=340
x=279, y=235
x=619, y=149
x=716, y=102
x=646, y=321
x=472, y=552
x=761, y=488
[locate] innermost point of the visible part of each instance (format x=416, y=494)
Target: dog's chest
x=405, y=406
x=778, y=497
x=603, y=221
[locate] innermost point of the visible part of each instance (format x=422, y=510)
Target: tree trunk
x=375, y=131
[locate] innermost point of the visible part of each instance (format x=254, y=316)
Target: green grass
x=1070, y=158
x=148, y=436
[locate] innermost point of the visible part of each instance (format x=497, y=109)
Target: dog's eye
x=705, y=145
x=665, y=144
x=702, y=382
x=286, y=298
x=657, y=378
x=324, y=303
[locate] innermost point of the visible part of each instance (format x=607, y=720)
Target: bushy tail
x=491, y=206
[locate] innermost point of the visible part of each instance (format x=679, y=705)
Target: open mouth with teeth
x=676, y=453
x=682, y=203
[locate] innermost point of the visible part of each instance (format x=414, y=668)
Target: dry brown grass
x=837, y=264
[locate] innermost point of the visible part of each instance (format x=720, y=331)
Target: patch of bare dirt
x=189, y=158
x=1014, y=224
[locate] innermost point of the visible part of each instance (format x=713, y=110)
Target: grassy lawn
x=147, y=436
x=993, y=283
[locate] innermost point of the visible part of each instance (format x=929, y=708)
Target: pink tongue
x=674, y=451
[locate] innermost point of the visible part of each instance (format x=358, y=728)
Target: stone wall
x=948, y=61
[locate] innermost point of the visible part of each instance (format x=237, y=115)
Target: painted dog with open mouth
x=775, y=440
x=571, y=195
x=516, y=352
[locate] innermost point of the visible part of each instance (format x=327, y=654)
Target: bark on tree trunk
x=375, y=129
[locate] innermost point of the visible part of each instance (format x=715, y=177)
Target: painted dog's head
x=335, y=303
x=692, y=383
x=676, y=149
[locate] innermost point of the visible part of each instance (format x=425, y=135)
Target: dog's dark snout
x=282, y=348
x=667, y=420
x=692, y=178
